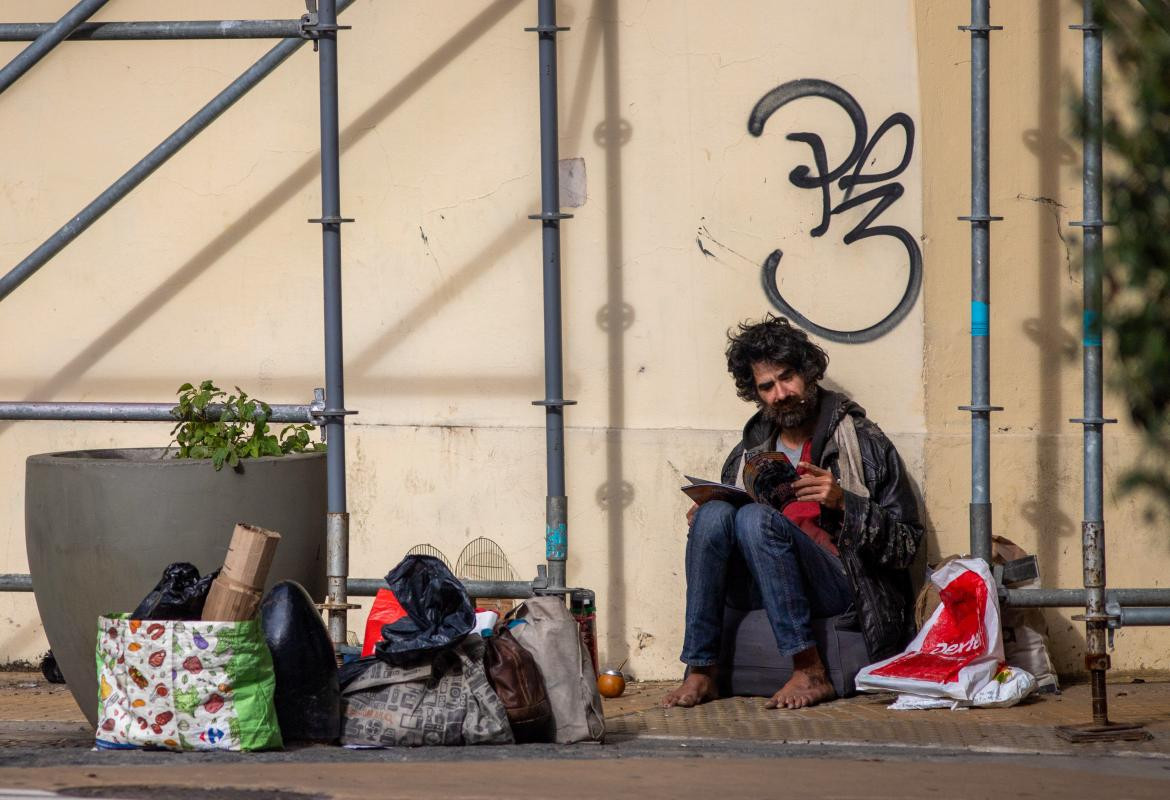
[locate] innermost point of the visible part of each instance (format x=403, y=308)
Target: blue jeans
x=755, y=557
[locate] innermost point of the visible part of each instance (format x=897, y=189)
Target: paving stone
x=34, y=714
x=865, y=719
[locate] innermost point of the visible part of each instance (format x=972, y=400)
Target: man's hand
x=818, y=485
x=691, y=515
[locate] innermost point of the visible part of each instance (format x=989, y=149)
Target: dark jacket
x=878, y=536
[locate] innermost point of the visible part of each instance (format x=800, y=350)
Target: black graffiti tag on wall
x=848, y=175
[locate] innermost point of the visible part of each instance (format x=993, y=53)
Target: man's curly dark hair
x=773, y=339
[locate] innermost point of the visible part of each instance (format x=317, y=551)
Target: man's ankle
x=808, y=661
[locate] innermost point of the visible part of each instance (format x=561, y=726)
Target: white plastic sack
x=959, y=649
x=1025, y=633
x=1009, y=686
x=912, y=702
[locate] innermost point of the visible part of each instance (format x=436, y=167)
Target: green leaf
x=241, y=432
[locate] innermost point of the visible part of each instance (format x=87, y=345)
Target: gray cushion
x=750, y=665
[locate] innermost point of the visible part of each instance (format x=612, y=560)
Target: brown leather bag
x=513, y=673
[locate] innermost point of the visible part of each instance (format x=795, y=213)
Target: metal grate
x=483, y=560
x=429, y=550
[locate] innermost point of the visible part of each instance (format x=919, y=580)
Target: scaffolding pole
x=980, y=219
x=140, y=412
x=1093, y=524
x=556, y=536
x=337, y=517
x=153, y=160
x=368, y=587
x=162, y=30
x=1098, y=619
x=1072, y=598
x=49, y=37
x=358, y=587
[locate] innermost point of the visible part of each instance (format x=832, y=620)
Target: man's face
x=783, y=394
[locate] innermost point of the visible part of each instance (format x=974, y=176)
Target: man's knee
x=714, y=518
x=755, y=521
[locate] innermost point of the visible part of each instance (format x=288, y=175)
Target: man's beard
x=795, y=411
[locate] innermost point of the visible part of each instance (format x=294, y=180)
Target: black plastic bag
x=179, y=595
x=50, y=670
x=350, y=671
x=439, y=612
x=308, y=695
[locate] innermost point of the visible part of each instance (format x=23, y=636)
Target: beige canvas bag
x=548, y=631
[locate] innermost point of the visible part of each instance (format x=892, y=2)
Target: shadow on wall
x=1054, y=263
x=614, y=318
x=919, y=570
x=1058, y=350
x=600, y=49
x=616, y=494
x=264, y=208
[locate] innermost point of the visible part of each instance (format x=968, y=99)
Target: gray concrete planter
x=100, y=526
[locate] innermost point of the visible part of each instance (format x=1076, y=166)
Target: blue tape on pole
x=556, y=542
x=1092, y=329
x=980, y=315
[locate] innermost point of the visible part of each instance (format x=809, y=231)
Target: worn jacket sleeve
x=884, y=528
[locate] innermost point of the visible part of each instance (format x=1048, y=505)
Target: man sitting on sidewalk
x=845, y=543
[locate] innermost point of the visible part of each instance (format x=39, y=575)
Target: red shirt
x=805, y=513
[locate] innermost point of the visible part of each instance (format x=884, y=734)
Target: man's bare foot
x=697, y=687
x=808, y=685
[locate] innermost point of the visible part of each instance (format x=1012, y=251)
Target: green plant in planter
x=240, y=432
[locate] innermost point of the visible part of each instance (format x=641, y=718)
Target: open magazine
x=767, y=479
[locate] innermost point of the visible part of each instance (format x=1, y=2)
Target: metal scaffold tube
x=550, y=216
x=337, y=519
x=159, y=30
x=1072, y=598
x=1140, y=616
x=16, y=583
x=49, y=37
x=1098, y=618
x=153, y=160
x=1093, y=523
x=980, y=219
x=135, y=412
x=368, y=587
x=358, y=587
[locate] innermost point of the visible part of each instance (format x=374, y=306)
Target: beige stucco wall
x=209, y=270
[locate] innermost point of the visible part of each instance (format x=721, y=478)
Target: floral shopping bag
x=181, y=685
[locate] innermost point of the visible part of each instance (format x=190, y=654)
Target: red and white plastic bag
x=959, y=649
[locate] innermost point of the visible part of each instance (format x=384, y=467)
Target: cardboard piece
x=235, y=594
